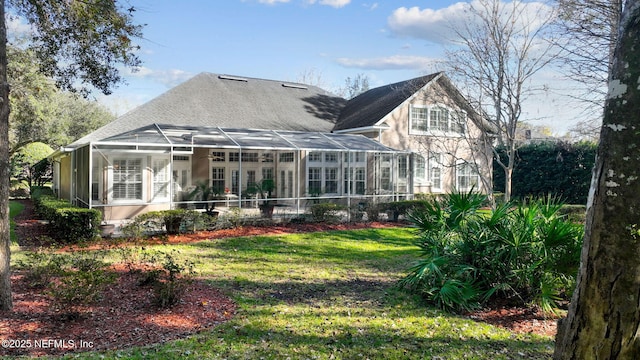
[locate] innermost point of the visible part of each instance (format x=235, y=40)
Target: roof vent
x=294, y=86
x=234, y=78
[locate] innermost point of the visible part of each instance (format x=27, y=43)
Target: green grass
x=327, y=295
x=15, y=208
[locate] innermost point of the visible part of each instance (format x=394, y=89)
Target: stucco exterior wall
x=454, y=148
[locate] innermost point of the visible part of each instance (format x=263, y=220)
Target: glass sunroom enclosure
x=163, y=166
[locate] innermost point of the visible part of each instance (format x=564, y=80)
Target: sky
x=323, y=40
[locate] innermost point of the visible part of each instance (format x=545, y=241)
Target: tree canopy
x=78, y=43
x=40, y=111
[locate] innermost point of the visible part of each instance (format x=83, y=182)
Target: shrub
x=373, y=211
x=41, y=267
x=167, y=275
x=169, y=221
x=326, y=212
x=71, y=279
x=398, y=208
x=68, y=223
x=528, y=253
x=230, y=219
x=575, y=213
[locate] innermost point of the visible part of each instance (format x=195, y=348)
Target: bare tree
x=588, y=31
x=311, y=76
x=603, y=318
x=498, y=50
x=354, y=87
x=77, y=42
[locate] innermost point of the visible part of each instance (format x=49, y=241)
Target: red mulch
x=125, y=317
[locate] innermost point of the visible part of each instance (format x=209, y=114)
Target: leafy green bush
x=37, y=191
x=575, y=213
x=373, y=211
x=398, y=208
x=167, y=275
x=559, y=168
x=68, y=223
x=41, y=267
x=169, y=221
x=528, y=253
x=326, y=212
x=71, y=279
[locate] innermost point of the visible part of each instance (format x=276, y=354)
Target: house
x=448, y=141
x=234, y=133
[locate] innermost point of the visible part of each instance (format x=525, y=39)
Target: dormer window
x=427, y=120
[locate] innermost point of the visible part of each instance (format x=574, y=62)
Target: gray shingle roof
x=230, y=101
x=371, y=106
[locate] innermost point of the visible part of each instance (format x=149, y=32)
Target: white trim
x=429, y=132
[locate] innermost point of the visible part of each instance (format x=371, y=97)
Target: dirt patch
x=124, y=317
x=518, y=320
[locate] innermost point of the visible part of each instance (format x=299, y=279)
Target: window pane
x=419, y=119
x=315, y=181
x=438, y=119
x=331, y=180
x=127, y=179
x=160, y=178
x=420, y=167
x=217, y=180
x=315, y=157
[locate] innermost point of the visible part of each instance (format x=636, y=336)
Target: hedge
x=561, y=169
x=67, y=222
x=402, y=207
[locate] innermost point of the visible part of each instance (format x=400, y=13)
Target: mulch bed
x=125, y=317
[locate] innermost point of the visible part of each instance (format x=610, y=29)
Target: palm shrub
x=527, y=253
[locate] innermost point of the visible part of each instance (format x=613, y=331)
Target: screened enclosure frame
x=170, y=142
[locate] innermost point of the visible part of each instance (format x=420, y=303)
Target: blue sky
x=328, y=40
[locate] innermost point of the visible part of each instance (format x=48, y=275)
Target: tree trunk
x=508, y=176
x=603, y=321
x=6, y=302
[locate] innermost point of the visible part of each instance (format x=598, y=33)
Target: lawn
x=14, y=209
x=327, y=295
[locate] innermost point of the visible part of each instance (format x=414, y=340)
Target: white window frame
x=160, y=175
x=435, y=171
x=451, y=127
x=354, y=172
x=112, y=179
x=219, y=178
x=420, y=169
x=329, y=163
x=466, y=170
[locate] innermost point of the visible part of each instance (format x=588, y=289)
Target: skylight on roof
x=294, y=86
x=234, y=78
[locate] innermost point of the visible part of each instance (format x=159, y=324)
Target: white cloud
x=394, y=62
x=169, y=78
x=438, y=25
x=333, y=3
x=17, y=27
x=271, y=2
x=371, y=7
x=428, y=24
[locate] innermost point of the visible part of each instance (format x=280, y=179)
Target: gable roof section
x=230, y=101
x=368, y=108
